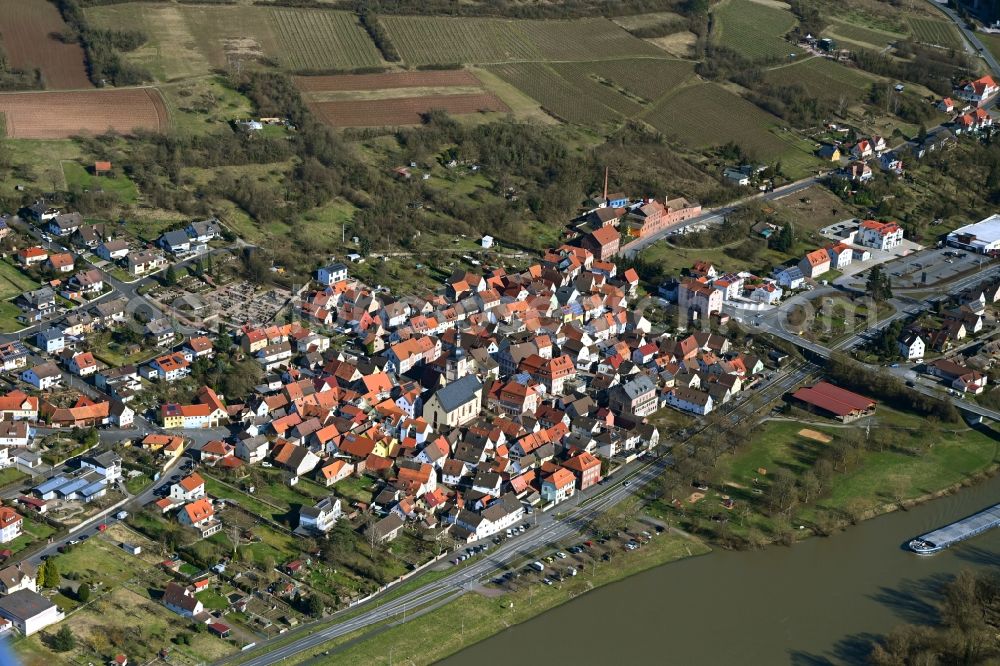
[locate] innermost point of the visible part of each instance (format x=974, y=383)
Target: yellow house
x=174, y=449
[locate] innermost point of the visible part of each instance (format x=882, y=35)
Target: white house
x=911, y=346
x=321, y=517
x=689, y=400
x=52, y=340
x=331, y=274
x=189, y=488
x=11, y=523
x=29, y=611
x=879, y=235
x=43, y=377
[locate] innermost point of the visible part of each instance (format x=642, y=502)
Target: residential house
x=321, y=517
x=20, y=576
x=979, y=91
x=336, y=471
x=586, y=468
x=815, y=263
x=113, y=250
x=13, y=356
x=32, y=256
x=204, y=231
x=697, y=299
x=11, y=523
x=89, y=282
x=689, y=400
x=17, y=405
x=188, y=489
x=911, y=346
x=879, y=235
x=181, y=600
x=61, y=262
x=144, y=262
x=559, y=485
x=51, y=340
x=159, y=331
x=107, y=463
x=83, y=364
x=603, y=242
x=841, y=256
x=43, y=377
x=29, y=611
x=175, y=242
x=200, y=516
x=331, y=274
x=169, y=367
x=636, y=397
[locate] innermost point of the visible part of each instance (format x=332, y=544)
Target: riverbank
x=822, y=601
x=474, y=617
x=796, y=478
x=957, y=457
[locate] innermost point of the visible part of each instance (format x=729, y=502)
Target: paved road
x=716, y=215
x=774, y=323
x=970, y=36
x=547, y=530
x=134, y=503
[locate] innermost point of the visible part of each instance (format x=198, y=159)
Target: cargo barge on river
x=960, y=530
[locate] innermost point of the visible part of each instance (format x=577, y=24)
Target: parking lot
x=932, y=266
x=841, y=232
x=560, y=562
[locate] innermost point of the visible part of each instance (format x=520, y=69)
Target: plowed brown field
x=386, y=81
x=58, y=115
x=403, y=110
x=25, y=26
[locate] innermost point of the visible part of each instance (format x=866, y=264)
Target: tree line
x=886, y=387
x=964, y=629
x=103, y=48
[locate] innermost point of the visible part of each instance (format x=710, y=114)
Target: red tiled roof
x=833, y=399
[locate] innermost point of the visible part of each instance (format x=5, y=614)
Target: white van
x=537, y=566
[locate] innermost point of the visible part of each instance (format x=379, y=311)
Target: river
x=814, y=603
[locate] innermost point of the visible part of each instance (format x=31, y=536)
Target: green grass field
x=433, y=39
x=555, y=94
x=956, y=453
x=204, y=104
x=172, y=51
x=877, y=39
x=188, y=40
x=706, y=115
x=824, y=78
x=322, y=40
x=754, y=30
x=578, y=75
x=12, y=283
x=644, y=77
x=935, y=33
x=592, y=93
x=78, y=176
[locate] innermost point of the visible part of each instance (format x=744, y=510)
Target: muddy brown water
x=818, y=602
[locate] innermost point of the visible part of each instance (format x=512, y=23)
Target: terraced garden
x=707, y=115
x=555, y=95
x=754, y=30
x=851, y=32
x=434, y=39
x=935, y=33
x=649, y=79
x=823, y=78
x=188, y=39
x=322, y=40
